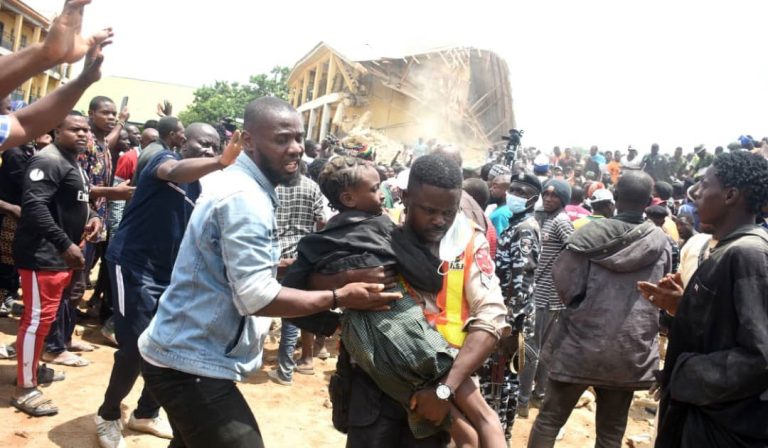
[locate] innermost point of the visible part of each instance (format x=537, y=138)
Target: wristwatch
x=443, y=391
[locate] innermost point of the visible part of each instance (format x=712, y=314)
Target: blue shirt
x=225, y=272
x=5, y=128
x=154, y=221
x=500, y=218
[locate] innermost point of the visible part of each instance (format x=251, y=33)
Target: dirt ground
x=296, y=416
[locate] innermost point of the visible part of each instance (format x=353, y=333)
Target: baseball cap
x=601, y=195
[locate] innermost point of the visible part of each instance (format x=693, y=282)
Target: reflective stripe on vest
x=454, y=310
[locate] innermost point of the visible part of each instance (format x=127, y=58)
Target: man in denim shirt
x=205, y=336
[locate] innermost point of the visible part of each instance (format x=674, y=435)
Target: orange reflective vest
x=451, y=303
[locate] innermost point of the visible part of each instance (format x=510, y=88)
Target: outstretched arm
x=45, y=114
x=63, y=44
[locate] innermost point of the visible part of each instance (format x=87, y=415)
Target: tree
x=228, y=99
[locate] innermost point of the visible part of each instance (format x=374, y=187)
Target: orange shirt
x=614, y=169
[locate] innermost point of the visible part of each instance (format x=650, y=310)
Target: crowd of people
x=462, y=298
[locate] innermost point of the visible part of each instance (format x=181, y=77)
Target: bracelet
x=335, y=303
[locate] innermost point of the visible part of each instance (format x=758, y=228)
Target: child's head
x=433, y=195
x=350, y=183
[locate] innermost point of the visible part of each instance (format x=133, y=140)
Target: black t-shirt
x=54, y=210
x=12, y=174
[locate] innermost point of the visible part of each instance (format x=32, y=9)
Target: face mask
x=516, y=204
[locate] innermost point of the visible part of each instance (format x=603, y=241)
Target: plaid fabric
x=401, y=353
x=301, y=206
x=7, y=232
x=5, y=128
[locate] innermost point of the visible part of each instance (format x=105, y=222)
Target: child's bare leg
x=462, y=432
x=486, y=422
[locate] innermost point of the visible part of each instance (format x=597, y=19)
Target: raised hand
x=92, y=68
x=64, y=44
x=233, y=149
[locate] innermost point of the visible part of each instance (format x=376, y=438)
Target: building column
x=304, y=88
x=324, y=121
x=331, y=75
x=311, y=124
x=17, y=27
x=316, y=85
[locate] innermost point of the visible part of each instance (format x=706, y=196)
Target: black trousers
x=134, y=304
x=62, y=329
x=203, y=412
x=610, y=417
x=378, y=421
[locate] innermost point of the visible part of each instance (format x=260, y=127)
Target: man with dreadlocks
x=715, y=378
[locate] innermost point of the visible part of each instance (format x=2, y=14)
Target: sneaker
x=274, y=376
x=536, y=401
x=108, y=331
x=158, y=426
x=110, y=433
x=4, y=310
x=7, y=351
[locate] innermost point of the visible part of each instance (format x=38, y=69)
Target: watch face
x=443, y=392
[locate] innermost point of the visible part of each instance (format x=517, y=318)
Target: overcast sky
x=610, y=73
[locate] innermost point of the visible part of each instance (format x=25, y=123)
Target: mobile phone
x=123, y=104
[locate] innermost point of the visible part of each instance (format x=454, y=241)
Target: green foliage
x=225, y=99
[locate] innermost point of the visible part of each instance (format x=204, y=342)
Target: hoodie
x=608, y=334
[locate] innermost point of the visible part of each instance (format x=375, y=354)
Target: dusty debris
x=22, y=434
x=639, y=441
x=587, y=400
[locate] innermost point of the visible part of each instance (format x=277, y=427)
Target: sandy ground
x=296, y=416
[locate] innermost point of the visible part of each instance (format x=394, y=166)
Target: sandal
x=79, y=346
x=65, y=358
x=35, y=404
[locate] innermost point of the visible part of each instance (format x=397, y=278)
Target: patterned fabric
x=97, y=164
x=555, y=231
x=5, y=128
x=7, y=231
x=401, y=353
x=500, y=386
x=301, y=206
x=517, y=255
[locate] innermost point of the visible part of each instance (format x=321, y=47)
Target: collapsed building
x=457, y=95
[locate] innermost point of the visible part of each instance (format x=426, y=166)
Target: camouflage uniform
x=517, y=255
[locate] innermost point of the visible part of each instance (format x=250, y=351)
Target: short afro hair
x=436, y=170
x=316, y=167
x=338, y=174
x=97, y=101
x=746, y=172
x=663, y=190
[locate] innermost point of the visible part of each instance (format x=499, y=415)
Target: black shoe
x=522, y=410
x=46, y=375
x=537, y=401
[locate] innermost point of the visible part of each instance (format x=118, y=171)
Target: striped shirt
x=555, y=231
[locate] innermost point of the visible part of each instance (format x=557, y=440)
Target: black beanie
x=561, y=189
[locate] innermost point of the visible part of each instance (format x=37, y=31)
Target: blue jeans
x=289, y=336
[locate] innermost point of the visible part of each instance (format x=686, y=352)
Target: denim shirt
x=224, y=273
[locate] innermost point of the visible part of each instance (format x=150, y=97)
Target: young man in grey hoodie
x=607, y=337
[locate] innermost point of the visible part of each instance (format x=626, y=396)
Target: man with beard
x=54, y=215
x=205, y=335
x=715, y=380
